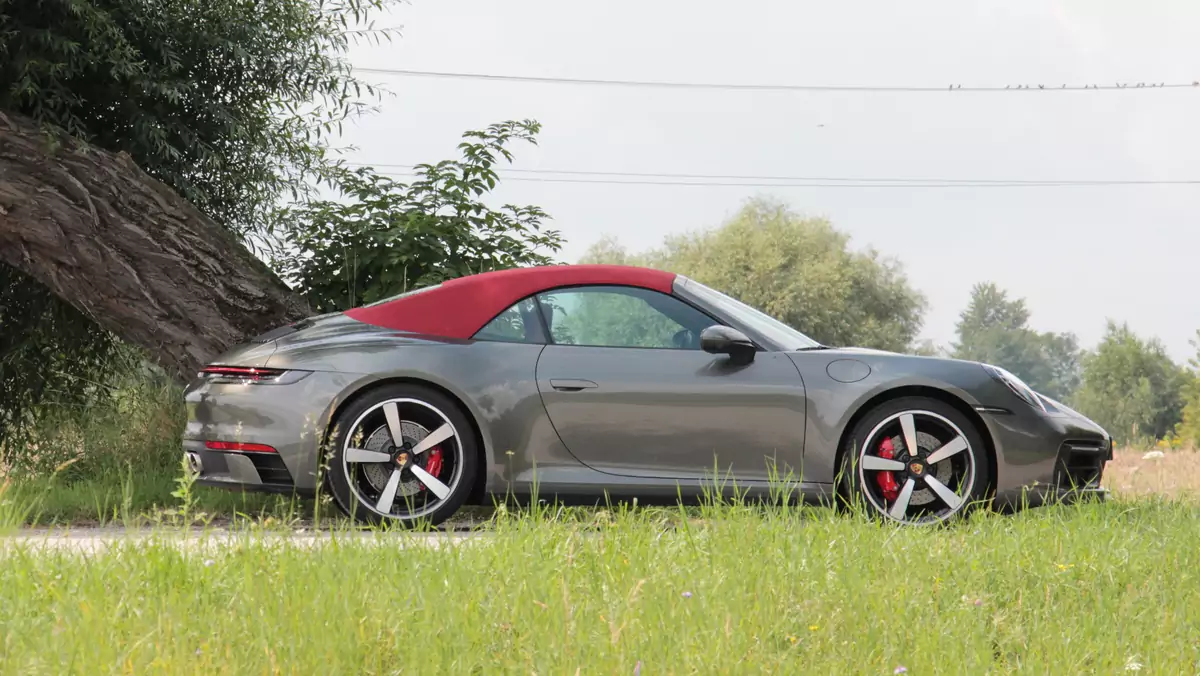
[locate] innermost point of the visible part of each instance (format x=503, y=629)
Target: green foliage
x=799, y=270
x=228, y=102
x=995, y=330
x=224, y=100
x=133, y=417
x=1188, y=431
x=1130, y=387
x=608, y=250
x=49, y=352
x=1093, y=589
x=927, y=348
x=391, y=237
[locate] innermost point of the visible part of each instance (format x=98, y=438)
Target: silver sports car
x=591, y=382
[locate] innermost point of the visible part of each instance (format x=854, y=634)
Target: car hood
x=857, y=350
x=870, y=351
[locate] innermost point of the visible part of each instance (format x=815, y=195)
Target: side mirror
x=725, y=340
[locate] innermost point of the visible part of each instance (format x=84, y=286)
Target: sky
x=1078, y=255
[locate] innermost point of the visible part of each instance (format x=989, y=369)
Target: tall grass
x=115, y=458
x=132, y=419
x=742, y=589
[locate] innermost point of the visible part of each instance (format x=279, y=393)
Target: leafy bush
x=391, y=236
x=49, y=352
x=133, y=419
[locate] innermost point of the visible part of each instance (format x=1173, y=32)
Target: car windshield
x=775, y=330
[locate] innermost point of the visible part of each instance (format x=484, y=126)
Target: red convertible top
x=460, y=307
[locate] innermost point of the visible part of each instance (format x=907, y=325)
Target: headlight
x=1058, y=408
x=1017, y=385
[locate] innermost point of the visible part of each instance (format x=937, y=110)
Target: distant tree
x=1062, y=367
x=386, y=237
x=995, y=329
x=1188, y=431
x=799, y=270
x=609, y=251
x=928, y=348
x=1131, y=387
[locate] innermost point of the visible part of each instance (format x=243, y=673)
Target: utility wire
x=910, y=186
x=777, y=87
x=804, y=181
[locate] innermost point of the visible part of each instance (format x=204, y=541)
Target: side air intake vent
x=1080, y=463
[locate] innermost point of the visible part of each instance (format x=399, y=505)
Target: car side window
x=619, y=316
x=518, y=324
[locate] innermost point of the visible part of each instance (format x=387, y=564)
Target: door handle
x=571, y=384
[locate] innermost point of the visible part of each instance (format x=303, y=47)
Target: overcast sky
x=1078, y=255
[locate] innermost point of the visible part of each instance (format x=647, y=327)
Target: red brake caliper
x=886, y=479
x=435, y=463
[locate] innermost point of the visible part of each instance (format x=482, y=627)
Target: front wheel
x=403, y=454
x=916, y=460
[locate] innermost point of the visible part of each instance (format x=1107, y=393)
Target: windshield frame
x=748, y=318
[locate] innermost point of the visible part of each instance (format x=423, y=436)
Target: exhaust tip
x=194, y=462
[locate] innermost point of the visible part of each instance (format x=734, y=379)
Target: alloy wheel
x=917, y=467
x=402, y=458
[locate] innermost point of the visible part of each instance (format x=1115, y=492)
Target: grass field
x=724, y=589
x=1066, y=590
x=1093, y=588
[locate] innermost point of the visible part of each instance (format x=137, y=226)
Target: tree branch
x=129, y=252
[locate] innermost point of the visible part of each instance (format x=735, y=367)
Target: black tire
x=966, y=473
x=358, y=486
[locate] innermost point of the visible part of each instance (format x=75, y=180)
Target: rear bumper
x=223, y=484
x=291, y=419
x=265, y=472
x=216, y=470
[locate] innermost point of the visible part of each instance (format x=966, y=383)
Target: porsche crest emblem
x=916, y=468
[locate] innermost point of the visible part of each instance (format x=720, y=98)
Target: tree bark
x=127, y=251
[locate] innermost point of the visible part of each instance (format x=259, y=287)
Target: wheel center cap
x=402, y=456
x=917, y=468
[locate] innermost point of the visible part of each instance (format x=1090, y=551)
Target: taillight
x=238, y=446
x=251, y=374
x=242, y=372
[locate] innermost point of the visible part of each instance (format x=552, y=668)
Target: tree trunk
x=130, y=253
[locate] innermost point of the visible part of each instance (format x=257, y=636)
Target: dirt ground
x=1132, y=473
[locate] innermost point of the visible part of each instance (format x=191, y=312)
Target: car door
x=630, y=392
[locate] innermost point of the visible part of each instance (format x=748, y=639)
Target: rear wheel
x=916, y=460
x=402, y=454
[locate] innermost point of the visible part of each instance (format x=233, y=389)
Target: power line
x=800, y=181
x=778, y=87
x=910, y=186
